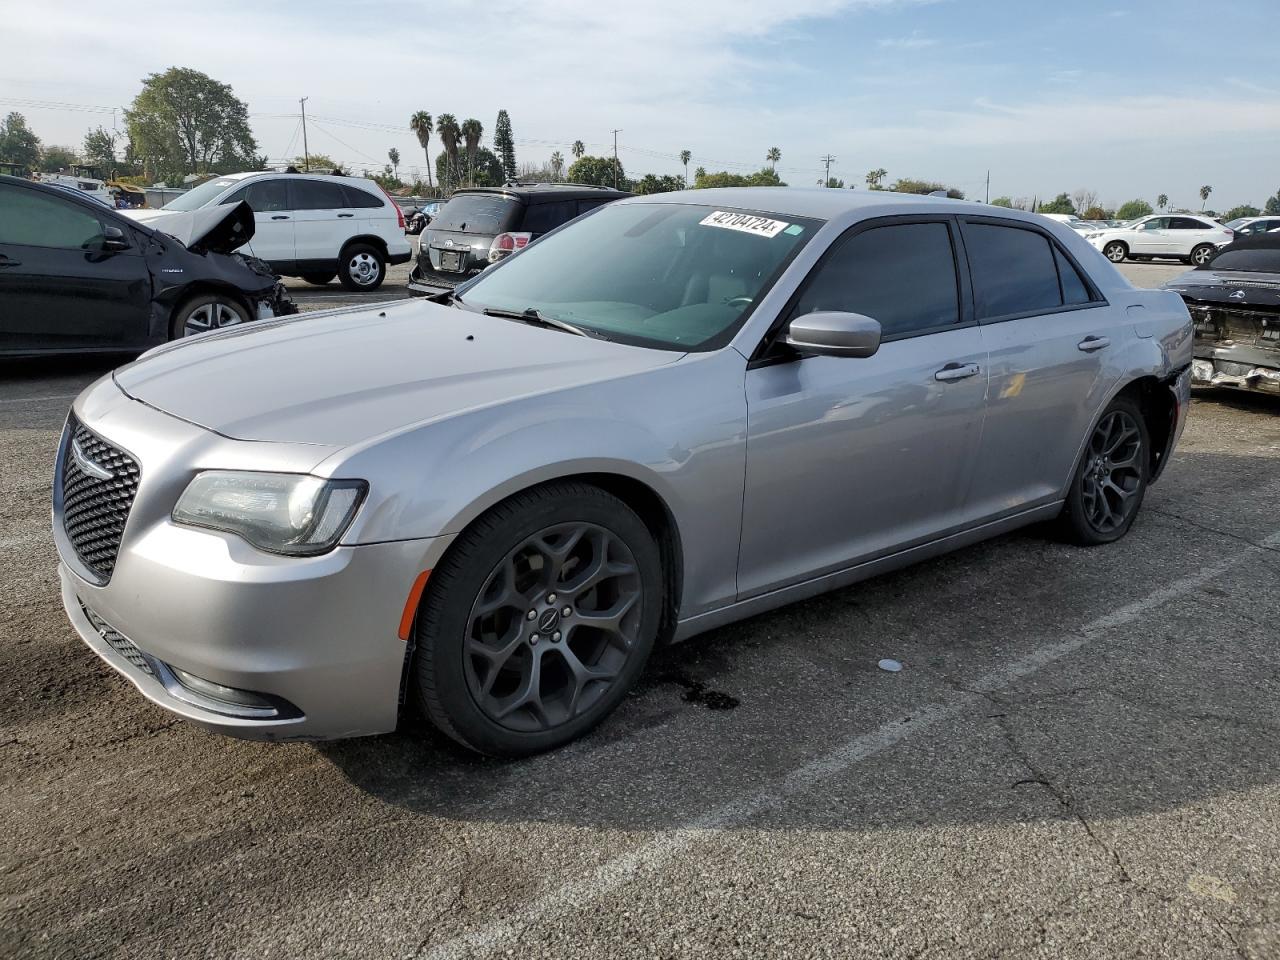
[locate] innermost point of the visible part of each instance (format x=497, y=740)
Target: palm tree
x=394, y=156
x=1204, y=195
x=875, y=176
x=773, y=156
x=472, y=130
x=1162, y=201
x=685, y=157
x=420, y=123
x=450, y=136
x=577, y=149
x=557, y=164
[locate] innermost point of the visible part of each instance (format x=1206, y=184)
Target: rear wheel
x=1202, y=254
x=206, y=312
x=538, y=622
x=319, y=279
x=1111, y=478
x=1115, y=251
x=362, y=267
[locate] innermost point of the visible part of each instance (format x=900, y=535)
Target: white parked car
x=1182, y=236
x=1251, y=226
x=1072, y=221
x=311, y=226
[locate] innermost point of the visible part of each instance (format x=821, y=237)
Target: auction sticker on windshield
x=744, y=222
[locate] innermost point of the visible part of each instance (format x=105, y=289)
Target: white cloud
x=912, y=42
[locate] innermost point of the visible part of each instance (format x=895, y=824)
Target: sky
x=1127, y=99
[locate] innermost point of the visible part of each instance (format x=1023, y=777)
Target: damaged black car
x=1234, y=300
x=76, y=277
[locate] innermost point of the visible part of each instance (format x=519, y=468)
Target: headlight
x=290, y=513
x=1092, y=236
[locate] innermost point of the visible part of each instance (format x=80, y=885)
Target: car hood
x=343, y=377
x=1229, y=287
x=216, y=229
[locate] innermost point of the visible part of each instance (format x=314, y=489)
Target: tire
x=319, y=279
x=205, y=312
x=1111, y=479
x=1115, y=251
x=1201, y=254
x=506, y=684
x=362, y=267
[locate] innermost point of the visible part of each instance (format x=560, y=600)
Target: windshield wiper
x=532, y=316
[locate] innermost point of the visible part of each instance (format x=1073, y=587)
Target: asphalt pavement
x=1078, y=759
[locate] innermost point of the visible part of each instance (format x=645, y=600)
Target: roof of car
x=549, y=191
x=821, y=203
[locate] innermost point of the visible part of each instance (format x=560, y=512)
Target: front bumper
x=1235, y=367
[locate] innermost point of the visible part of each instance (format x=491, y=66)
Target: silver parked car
x=675, y=412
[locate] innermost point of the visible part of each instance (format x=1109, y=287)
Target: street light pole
x=828, y=160
x=615, y=157
x=306, y=156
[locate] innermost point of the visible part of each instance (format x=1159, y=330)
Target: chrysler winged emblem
x=88, y=466
x=1238, y=295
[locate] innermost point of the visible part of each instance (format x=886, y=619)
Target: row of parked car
x=1188, y=237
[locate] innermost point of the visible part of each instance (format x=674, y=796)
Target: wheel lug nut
x=567, y=611
x=551, y=598
x=531, y=615
x=534, y=639
x=555, y=637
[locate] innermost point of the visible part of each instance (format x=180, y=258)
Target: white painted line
x=613, y=874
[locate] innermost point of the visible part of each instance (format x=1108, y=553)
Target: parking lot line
x=614, y=873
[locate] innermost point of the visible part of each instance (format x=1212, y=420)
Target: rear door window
x=317, y=195
x=541, y=217
x=902, y=275
x=1014, y=270
x=585, y=205
x=263, y=196
x=1074, y=289
x=1186, y=223
x=360, y=199
x=477, y=213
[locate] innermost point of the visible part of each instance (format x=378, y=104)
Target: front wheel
x=1111, y=478
x=206, y=312
x=1115, y=251
x=539, y=620
x=362, y=267
x=319, y=279
x=1202, y=254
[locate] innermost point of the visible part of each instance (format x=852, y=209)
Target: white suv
x=1193, y=239
x=312, y=226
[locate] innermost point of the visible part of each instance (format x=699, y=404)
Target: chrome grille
x=95, y=508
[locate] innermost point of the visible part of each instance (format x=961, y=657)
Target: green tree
x=773, y=156
x=54, y=158
x=1094, y=213
x=875, y=176
x=487, y=170
x=450, y=135
x=1002, y=202
x=504, y=144
x=833, y=182
x=1162, y=201
x=925, y=187
x=557, y=164
x=699, y=173
x=99, y=147
x=319, y=162
x=1059, y=204
x=1133, y=210
x=186, y=122
x=472, y=130
x=1245, y=210
x=596, y=170
x=17, y=143
x=422, y=126
x=577, y=149
x=1204, y=195
x=1272, y=206
x=685, y=157
x=394, y=156
x=652, y=183
x=762, y=178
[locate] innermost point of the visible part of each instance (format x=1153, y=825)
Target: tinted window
x=1186, y=223
x=541, y=217
x=1074, y=289
x=477, y=213
x=902, y=275
x=1259, y=260
x=33, y=220
x=1013, y=270
x=360, y=198
x=263, y=196
x=317, y=195
x=585, y=205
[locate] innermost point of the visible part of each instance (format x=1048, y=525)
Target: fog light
x=216, y=691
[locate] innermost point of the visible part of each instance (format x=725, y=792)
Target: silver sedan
x=672, y=413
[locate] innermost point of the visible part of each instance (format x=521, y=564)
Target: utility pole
x=615, y=157
x=828, y=160
x=987, y=197
x=306, y=155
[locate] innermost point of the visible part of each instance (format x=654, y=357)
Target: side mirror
x=834, y=333
x=113, y=238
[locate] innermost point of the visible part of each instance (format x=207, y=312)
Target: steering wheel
x=741, y=301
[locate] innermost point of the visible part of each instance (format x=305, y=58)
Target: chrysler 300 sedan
x=672, y=413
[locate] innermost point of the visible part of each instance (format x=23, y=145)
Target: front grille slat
x=94, y=511
x=118, y=641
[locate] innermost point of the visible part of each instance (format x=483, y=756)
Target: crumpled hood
x=1238, y=288
x=342, y=377
x=215, y=229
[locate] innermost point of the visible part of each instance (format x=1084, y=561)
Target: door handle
x=956, y=371
x=1090, y=344
x=279, y=216
x=346, y=215
x=9, y=262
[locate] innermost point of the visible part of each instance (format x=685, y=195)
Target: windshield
x=476, y=213
x=674, y=276
x=1255, y=260
x=200, y=196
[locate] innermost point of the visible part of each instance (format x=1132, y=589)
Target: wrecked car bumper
x=1227, y=367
